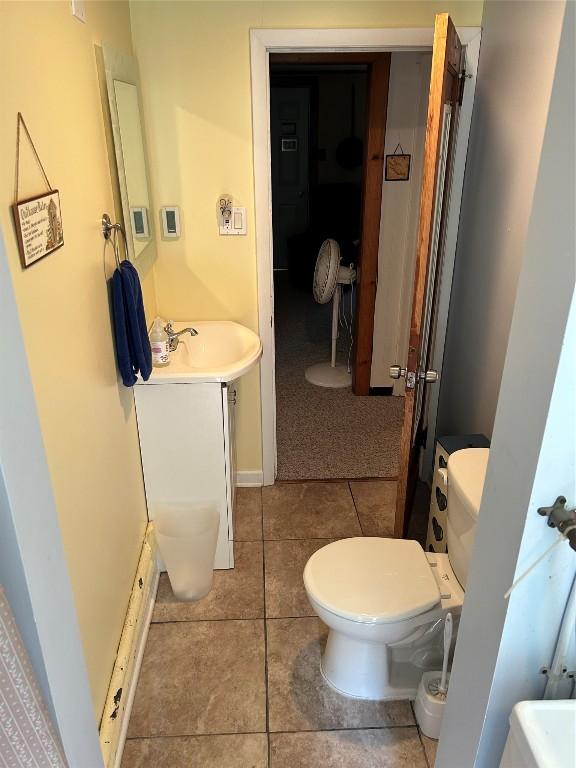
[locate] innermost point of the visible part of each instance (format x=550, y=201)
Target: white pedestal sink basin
x=542, y=735
x=221, y=352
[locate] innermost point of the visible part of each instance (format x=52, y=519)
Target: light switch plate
x=79, y=10
x=238, y=221
x=170, y=222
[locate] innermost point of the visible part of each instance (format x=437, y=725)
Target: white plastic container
x=159, y=344
x=187, y=534
x=428, y=708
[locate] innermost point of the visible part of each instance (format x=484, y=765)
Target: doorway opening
x=333, y=118
x=443, y=209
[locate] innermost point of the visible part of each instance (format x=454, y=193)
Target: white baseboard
x=250, y=479
x=118, y=707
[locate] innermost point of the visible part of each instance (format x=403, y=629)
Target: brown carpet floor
x=325, y=433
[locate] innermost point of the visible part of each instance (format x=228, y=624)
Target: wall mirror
x=129, y=148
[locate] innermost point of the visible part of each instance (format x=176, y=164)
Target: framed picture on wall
x=38, y=223
x=397, y=167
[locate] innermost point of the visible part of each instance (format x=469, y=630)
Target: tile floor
x=233, y=681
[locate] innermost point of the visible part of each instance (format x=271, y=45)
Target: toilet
x=384, y=600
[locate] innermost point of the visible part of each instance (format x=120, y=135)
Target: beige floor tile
x=249, y=750
x=300, y=699
x=248, y=514
x=201, y=677
x=284, y=563
x=430, y=747
x=309, y=511
x=238, y=593
x=382, y=747
x=375, y=502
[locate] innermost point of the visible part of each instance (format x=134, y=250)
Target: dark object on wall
x=350, y=151
x=381, y=391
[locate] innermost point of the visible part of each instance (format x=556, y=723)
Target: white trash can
x=187, y=534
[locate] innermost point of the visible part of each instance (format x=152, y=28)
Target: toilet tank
x=466, y=473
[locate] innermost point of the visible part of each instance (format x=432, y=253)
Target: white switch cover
x=238, y=221
x=78, y=10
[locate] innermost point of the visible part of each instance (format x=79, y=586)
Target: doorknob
x=429, y=377
x=396, y=372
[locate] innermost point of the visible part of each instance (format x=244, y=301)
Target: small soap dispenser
x=159, y=344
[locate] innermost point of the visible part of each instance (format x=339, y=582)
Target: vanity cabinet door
x=183, y=450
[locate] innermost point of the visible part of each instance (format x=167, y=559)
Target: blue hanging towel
x=131, y=333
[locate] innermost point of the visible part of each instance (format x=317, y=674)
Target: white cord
x=529, y=570
x=350, y=330
x=347, y=323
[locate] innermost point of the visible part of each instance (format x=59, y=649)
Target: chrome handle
x=397, y=372
x=429, y=377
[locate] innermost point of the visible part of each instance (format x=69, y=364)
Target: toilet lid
x=372, y=580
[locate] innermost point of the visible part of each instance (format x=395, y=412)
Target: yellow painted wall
x=195, y=72
x=48, y=72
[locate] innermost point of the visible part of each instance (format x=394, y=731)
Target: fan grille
x=326, y=271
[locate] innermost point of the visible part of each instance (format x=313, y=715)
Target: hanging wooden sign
x=397, y=166
x=38, y=219
x=38, y=226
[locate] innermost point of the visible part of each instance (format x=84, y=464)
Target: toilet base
x=361, y=670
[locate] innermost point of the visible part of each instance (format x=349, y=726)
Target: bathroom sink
x=221, y=352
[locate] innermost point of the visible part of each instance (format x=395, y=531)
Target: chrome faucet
x=174, y=336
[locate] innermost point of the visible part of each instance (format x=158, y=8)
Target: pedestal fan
x=329, y=277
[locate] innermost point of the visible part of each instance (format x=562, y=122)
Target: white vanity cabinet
x=187, y=445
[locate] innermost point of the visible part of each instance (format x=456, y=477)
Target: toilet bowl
x=384, y=600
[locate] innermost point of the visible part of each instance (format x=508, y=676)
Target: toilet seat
x=372, y=580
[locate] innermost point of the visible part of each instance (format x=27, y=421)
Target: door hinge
x=410, y=380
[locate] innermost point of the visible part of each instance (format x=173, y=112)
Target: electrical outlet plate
x=236, y=223
x=78, y=10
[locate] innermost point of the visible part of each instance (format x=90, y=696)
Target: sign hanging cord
x=16, y=180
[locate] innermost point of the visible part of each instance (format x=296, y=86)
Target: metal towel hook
x=110, y=230
x=108, y=227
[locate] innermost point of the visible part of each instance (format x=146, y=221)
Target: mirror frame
x=119, y=66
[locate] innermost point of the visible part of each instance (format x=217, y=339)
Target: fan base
x=323, y=375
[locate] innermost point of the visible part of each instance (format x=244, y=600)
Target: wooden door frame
x=306, y=41
x=378, y=64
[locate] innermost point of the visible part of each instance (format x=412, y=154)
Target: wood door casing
x=444, y=87
x=367, y=277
